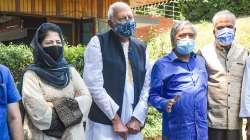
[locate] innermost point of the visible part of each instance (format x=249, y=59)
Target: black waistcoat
x=114, y=71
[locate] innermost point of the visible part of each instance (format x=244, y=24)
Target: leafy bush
x=159, y=46
x=153, y=127
x=74, y=56
x=18, y=57
x=197, y=10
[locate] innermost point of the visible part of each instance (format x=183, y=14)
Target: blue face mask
x=126, y=29
x=225, y=36
x=185, y=46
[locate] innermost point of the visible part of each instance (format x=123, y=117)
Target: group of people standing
x=201, y=95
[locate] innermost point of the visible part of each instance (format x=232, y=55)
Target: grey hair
x=224, y=13
x=179, y=25
x=116, y=5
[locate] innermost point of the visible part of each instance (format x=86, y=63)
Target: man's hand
x=171, y=102
x=119, y=128
x=133, y=126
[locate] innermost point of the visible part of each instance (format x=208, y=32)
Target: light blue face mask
x=126, y=29
x=225, y=36
x=185, y=46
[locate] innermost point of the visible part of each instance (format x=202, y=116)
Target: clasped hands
x=132, y=127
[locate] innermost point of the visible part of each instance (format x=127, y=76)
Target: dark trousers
x=224, y=134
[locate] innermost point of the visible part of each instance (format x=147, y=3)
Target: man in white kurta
x=93, y=76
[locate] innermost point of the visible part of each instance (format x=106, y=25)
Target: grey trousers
x=224, y=134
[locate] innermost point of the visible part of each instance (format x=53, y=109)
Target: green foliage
x=153, y=127
x=159, y=46
x=74, y=56
x=18, y=57
x=197, y=10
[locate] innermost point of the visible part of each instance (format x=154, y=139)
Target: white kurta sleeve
x=245, y=92
x=84, y=100
x=36, y=106
x=141, y=109
x=93, y=78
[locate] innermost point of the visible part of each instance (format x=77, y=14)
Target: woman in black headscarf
x=55, y=97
